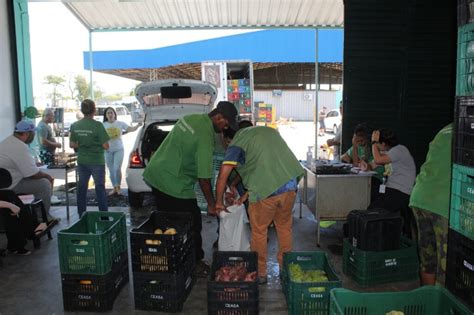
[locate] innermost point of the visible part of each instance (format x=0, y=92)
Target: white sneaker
x=55, y=200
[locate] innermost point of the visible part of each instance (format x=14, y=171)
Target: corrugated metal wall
x=399, y=68
x=298, y=105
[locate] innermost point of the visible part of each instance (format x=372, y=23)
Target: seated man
x=26, y=176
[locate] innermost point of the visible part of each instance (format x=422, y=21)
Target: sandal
x=40, y=229
x=53, y=222
x=202, y=269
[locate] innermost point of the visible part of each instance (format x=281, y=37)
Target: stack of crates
x=239, y=93
x=233, y=297
x=265, y=113
x=93, y=259
x=460, y=257
x=163, y=261
x=369, y=268
x=303, y=294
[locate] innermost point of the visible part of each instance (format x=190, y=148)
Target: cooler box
x=374, y=230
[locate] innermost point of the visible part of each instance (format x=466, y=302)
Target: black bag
x=375, y=229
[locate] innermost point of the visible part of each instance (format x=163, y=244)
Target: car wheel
x=135, y=199
x=334, y=129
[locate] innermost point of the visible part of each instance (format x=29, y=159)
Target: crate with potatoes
x=162, y=243
x=161, y=291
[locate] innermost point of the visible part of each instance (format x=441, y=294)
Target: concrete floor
x=32, y=284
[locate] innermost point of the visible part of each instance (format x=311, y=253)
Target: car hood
x=157, y=108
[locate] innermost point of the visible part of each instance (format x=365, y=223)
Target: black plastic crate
x=464, y=131
x=460, y=267
x=235, y=297
x=375, y=229
x=465, y=12
x=160, y=252
x=94, y=293
x=164, y=292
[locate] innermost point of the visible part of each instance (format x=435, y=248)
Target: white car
x=333, y=120
x=122, y=113
x=164, y=102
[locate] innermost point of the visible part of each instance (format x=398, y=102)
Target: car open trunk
x=153, y=137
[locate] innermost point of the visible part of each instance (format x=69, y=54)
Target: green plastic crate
x=461, y=217
x=465, y=61
x=217, y=159
x=91, y=245
x=427, y=300
x=308, y=297
x=370, y=268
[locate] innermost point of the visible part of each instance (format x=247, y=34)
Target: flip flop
x=53, y=222
x=40, y=228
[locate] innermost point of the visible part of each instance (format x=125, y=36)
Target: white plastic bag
x=234, y=234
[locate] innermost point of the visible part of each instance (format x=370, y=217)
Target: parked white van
x=122, y=113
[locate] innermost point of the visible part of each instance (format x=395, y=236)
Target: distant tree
x=71, y=87
x=55, y=81
x=98, y=94
x=113, y=97
x=84, y=91
x=81, y=87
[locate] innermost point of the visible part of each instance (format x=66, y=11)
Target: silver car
x=164, y=102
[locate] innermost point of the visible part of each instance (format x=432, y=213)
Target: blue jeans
x=98, y=174
x=114, y=161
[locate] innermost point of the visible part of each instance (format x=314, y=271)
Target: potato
x=149, y=242
x=170, y=231
x=158, y=231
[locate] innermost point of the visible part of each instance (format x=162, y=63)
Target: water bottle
x=309, y=156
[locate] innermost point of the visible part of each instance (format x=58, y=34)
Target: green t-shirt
x=366, y=155
x=432, y=187
x=269, y=162
x=91, y=135
x=363, y=152
x=184, y=156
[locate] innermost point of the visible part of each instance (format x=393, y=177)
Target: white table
x=62, y=174
x=332, y=197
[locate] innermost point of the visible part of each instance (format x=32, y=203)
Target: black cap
x=228, y=110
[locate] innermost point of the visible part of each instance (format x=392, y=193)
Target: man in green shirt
x=270, y=172
x=184, y=158
x=429, y=201
x=89, y=138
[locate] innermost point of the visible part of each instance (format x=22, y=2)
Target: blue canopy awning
x=287, y=45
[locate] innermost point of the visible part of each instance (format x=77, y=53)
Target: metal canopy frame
x=118, y=15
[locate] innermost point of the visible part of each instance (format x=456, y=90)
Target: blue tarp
x=260, y=46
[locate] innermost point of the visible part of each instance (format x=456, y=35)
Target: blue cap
x=24, y=126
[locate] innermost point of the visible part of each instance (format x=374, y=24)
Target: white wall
x=294, y=104
x=7, y=106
